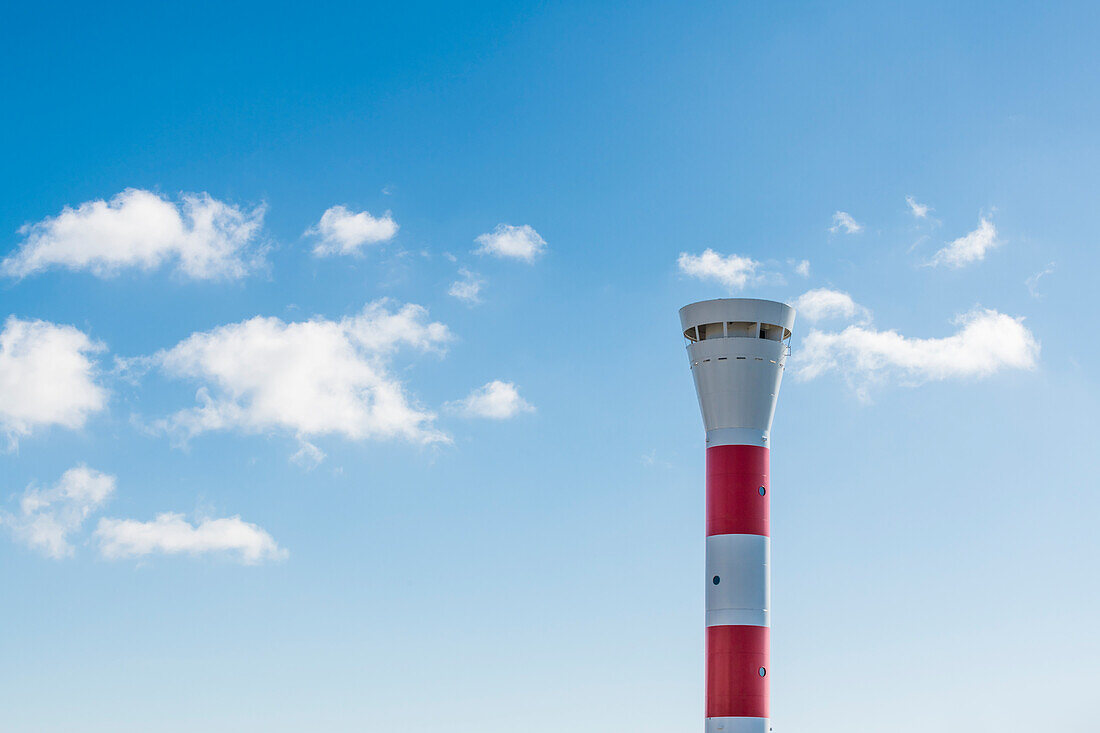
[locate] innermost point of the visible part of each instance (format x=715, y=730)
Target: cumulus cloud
x=47, y=377
x=171, y=534
x=344, y=232
x=468, y=287
x=518, y=243
x=47, y=517
x=312, y=378
x=207, y=238
x=496, y=400
x=823, y=304
x=733, y=271
x=918, y=210
x=986, y=342
x=803, y=268
x=969, y=248
x=843, y=220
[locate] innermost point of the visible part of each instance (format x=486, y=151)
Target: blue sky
x=263, y=469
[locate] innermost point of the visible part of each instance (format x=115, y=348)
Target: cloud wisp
x=733, y=271
x=844, y=220
x=968, y=248
x=344, y=232
x=917, y=209
x=47, y=377
x=985, y=343
x=171, y=534
x=48, y=517
x=511, y=242
x=309, y=379
x=496, y=400
x=208, y=239
x=1032, y=282
x=468, y=287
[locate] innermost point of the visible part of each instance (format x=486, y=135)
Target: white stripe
x=738, y=436
x=742, y=596
x=738, y=725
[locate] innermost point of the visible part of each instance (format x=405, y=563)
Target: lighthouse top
x=737, y=348
x=737, y=317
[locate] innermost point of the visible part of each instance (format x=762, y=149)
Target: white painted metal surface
x=742, y=595
x=738, y=436
x=742, y=310
x=738, y=725
x=737, y=351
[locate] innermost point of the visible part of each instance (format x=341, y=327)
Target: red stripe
x=735, y=474
x=735, y=656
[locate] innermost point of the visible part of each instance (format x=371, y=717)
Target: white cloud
x=343, y=232
x=733, y=271
x=171, y=534
x=468, y=288
x=311, y=378
x=918, y=210
x=822, y=304
x=496, y=400
x=803, y=268
x=47, y=517
x=520, y=243
x=47, y=377
x=208, y=238
x=969, y=248
x=843, y=220
x=986, y=342
x=1033, y=281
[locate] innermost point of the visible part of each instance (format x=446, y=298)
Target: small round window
x=716, y=580
x=763, y=491
x=763, y=672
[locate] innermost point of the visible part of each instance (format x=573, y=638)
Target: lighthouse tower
x=738, y=349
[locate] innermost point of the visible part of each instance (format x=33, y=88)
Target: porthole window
x=763, y=491
x=716, y=580
x=763, y=672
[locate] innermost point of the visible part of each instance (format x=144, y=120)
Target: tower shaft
x=738, y=350
x=738, y=596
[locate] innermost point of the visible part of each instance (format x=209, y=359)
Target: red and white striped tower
x=738, y=348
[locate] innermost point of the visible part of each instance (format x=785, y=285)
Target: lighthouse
x=737, y=349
